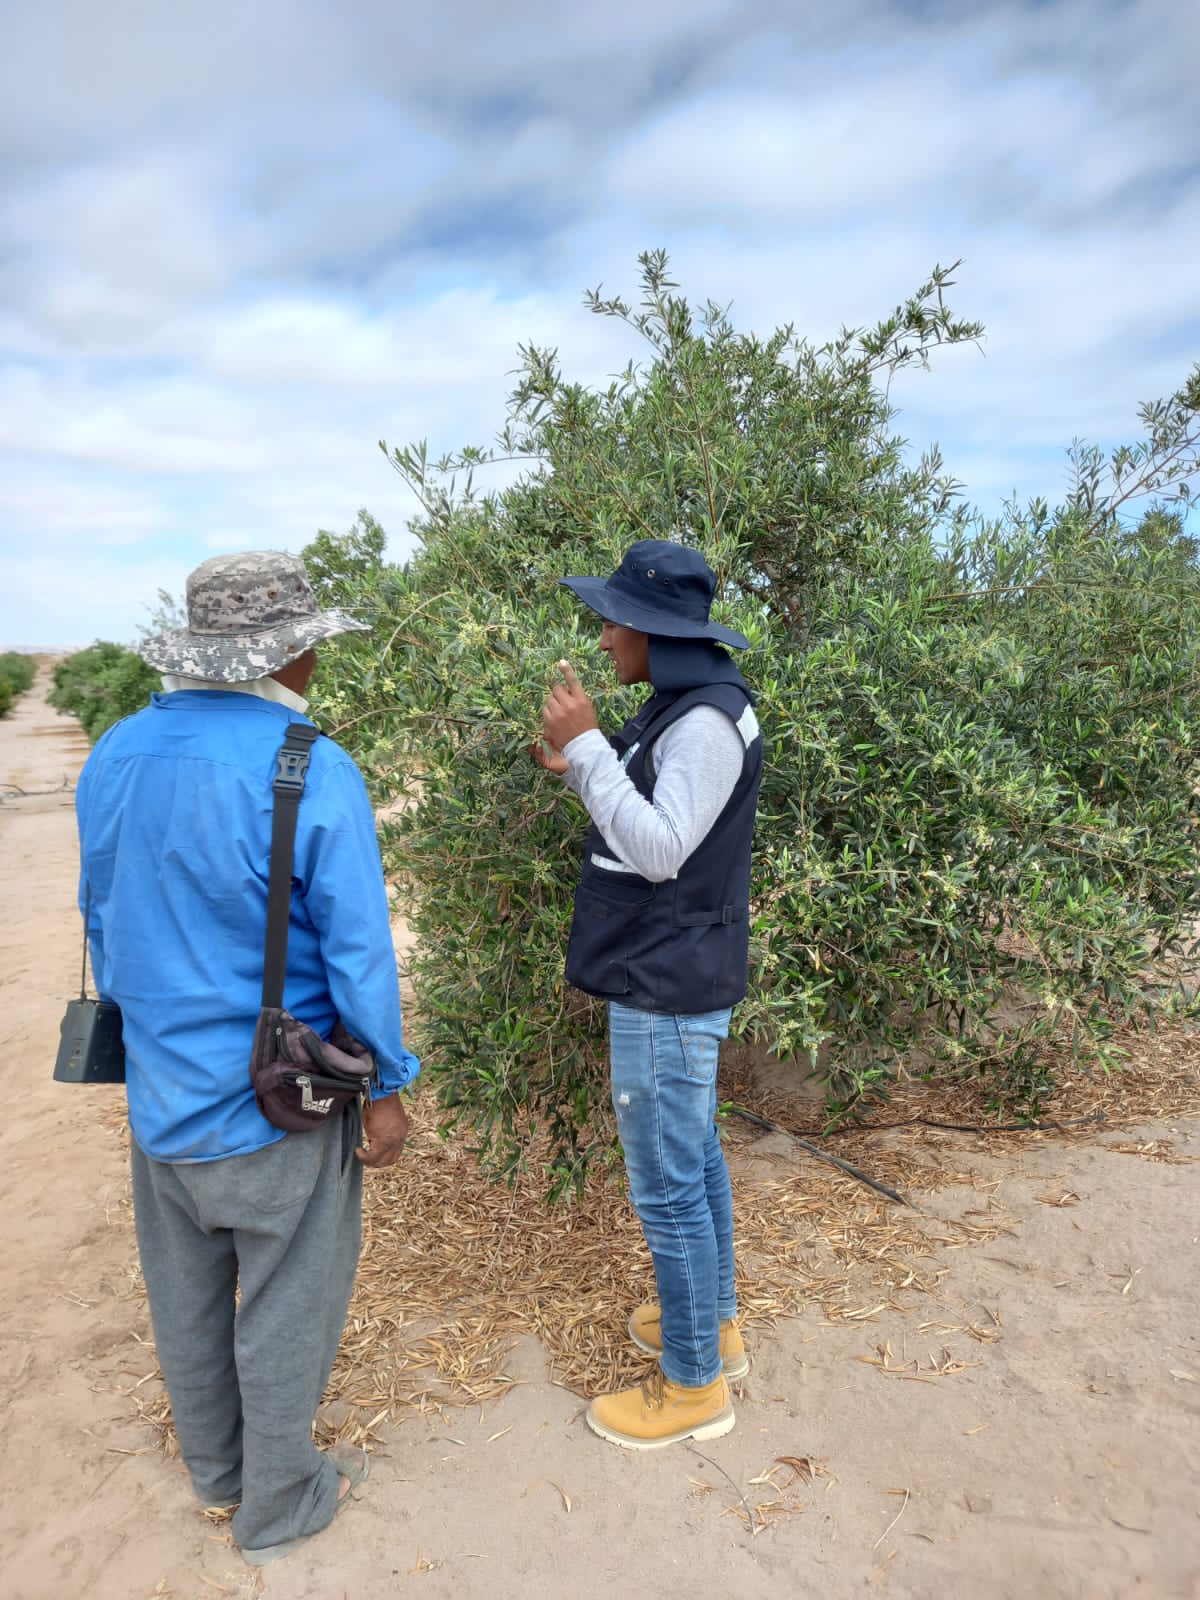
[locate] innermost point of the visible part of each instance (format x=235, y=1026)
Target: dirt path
x=1048, y=1447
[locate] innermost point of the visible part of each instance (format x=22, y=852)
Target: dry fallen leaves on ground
x=455, y=1269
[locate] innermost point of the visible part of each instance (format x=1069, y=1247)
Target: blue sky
x=239, y=244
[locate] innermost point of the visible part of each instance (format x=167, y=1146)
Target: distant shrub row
x=16, y=675
x=102, y=684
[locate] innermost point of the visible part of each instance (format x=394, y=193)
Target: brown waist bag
x=300, y=1080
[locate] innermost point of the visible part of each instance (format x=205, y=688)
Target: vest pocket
x=607, y=893
x=601, y=940
x=613, y=980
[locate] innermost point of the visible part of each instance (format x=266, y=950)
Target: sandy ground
x=1052, y=1451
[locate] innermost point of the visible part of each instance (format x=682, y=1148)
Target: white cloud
x=447, y=342
x=244, y=244
x=129, y=241
x=64, y=509
x=66, y=606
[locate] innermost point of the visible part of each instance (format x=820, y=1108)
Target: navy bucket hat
x=661, y=589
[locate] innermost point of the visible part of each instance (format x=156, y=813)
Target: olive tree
x=975, y=826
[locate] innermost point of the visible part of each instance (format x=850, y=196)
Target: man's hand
x=385, y=1124
x=567, y=713
x=553, y=760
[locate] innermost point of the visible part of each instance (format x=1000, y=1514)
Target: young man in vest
x=660, y=932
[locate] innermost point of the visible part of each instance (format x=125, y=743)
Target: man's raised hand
x=553, y=760
x=567, y=713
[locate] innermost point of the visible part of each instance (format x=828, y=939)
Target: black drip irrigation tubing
x=878, y=1127
x=1049, y=1124
x=823, y=1155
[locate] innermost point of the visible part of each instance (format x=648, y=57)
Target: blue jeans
x=664, y=1092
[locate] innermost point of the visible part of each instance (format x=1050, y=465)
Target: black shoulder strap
x=294, y=756
x=87, y=919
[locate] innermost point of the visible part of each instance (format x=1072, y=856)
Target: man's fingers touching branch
x=568, y=711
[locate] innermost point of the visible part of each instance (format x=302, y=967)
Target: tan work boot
x=645, y=1329
x=660, y=1412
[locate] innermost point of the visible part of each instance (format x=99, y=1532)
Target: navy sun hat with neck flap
x=662, y=589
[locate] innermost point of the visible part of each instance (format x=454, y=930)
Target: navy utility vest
x=679, y=946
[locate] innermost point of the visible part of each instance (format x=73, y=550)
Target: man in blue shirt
x=248, y=1237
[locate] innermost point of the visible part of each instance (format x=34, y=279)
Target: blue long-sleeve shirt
x=175, y=808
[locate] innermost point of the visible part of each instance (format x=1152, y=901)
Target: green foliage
x=352, y=684
x=340, y=566
x=102, y=684
x=17, y=673
x=977, y=815
x=17, y=670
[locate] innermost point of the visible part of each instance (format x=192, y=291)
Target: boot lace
x=652, y=1391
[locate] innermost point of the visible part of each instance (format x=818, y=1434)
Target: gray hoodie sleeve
x=697, y=761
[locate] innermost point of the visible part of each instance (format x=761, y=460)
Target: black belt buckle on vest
x=91, y=1049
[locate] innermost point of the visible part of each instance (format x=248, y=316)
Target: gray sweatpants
x=245, y=1377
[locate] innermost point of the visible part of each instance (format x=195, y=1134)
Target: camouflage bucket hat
x=248, y=615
